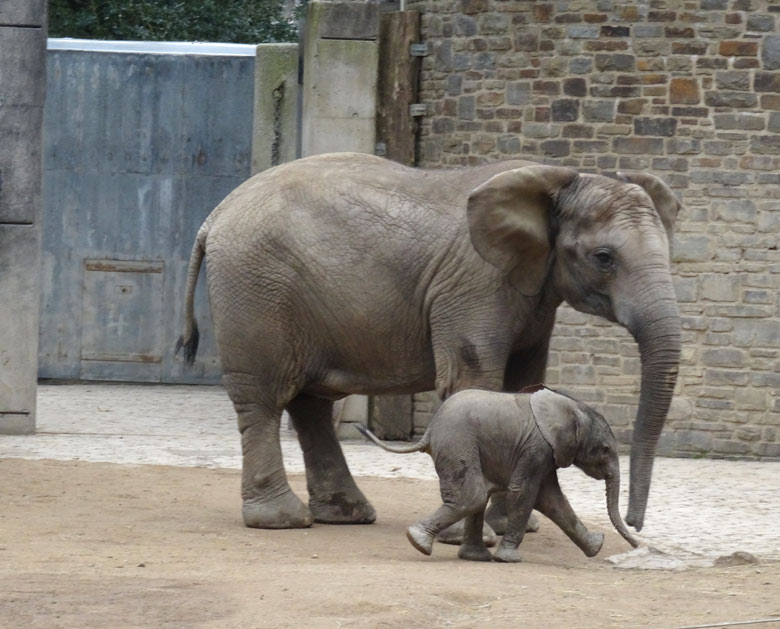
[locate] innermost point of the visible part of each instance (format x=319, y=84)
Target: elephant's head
x=578, y=434
x=601, y=245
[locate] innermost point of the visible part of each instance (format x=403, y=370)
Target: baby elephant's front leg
x=552, y=503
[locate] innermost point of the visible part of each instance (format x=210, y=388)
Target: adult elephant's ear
x=666, y=204
x=562, y=424
x=509, y=221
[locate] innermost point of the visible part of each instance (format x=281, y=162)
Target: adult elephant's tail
x=189, y=339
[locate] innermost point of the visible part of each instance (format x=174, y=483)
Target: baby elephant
x=482, y=442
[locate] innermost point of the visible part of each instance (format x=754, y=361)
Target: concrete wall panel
x=22, y=93
x=340, y=98
x=339, y=103
x=22, y=79
x=339, y=80
x=20, y=163
x=19, y=330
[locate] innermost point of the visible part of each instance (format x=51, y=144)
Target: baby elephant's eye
x=604, y=259
x=605, y=449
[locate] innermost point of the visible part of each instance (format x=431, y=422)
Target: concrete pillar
x=339, y=77
x=340, y=53
x=275, y=125
x=22, y=90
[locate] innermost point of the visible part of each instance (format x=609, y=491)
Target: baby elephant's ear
x=561, y=422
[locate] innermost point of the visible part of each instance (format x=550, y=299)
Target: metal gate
x=141, y=144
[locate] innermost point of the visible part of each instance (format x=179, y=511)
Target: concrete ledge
x=153, y=47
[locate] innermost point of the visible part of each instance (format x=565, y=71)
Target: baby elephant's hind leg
x=473, y=547
x=464, y=495
x=422, y=533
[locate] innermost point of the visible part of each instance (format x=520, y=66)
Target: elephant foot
x=473, y=552
x=343, y=508
x=454, y=534
x=507, y=554
x=593, y=544
x=533, y=524
x=420, y=539
x=282, y=512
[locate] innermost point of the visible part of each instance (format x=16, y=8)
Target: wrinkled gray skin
x=347, y=273
x=482, y=442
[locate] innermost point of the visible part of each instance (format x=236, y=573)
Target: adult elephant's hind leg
x=268, y=501
x=334, y=498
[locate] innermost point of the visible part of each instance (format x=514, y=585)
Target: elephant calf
x=483, y=442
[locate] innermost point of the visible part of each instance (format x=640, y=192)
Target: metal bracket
x=380, y=149
x=418, y=109
x=418, y=50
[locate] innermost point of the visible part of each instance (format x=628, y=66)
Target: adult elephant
x=347, y=273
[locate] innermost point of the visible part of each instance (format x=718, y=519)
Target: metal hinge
x=418, y=109
x=418, y=50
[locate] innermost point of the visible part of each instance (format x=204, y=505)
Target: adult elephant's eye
x=604, y=259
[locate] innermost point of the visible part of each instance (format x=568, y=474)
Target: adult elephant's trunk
x=613, y=497
x=656, y=328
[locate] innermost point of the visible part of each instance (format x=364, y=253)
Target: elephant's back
x=338, y=183
x=338, y=210
x=308, y=247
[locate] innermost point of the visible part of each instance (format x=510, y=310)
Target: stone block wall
x=687, y=89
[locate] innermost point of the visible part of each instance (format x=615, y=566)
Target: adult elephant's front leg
x=334, y=498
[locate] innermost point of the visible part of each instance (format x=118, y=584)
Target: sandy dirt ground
x=102, y=545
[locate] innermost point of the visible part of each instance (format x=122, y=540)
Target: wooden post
x=392, y=416
x=397, y=85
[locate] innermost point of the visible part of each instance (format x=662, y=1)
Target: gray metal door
x=121, y=320
x=139, y=147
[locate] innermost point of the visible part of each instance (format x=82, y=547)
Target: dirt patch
x=100, y=545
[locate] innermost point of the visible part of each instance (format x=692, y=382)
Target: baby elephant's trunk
x=613, y=498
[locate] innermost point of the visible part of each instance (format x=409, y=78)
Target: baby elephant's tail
x=420, y=446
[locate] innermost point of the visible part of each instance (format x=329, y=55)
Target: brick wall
x=689, y=90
